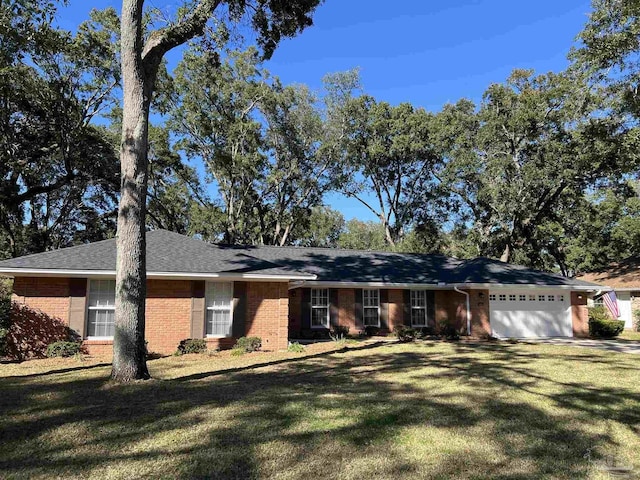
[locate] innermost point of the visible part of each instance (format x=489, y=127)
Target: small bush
x=636, y=320
x=191, y=345
x=248, y=344
x=340, y=331
x=371, y=331
x=449, y=331
x=405, y=334
x=237, y=351
x=424, y=332
x=63, y=349
x=295, y=347
x=602, y=326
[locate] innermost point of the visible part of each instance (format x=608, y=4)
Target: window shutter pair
x=238, y=327
x=306, y=308
x=431, y=307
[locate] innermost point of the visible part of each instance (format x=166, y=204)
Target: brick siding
x=579, y=314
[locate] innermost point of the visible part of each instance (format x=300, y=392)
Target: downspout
x=455, y=287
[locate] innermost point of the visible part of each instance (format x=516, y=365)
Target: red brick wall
x=347, y=309
x=268, y=313
x=451, y=306
x=579, y=314
x=396, y=308
x=295, y=312
x=47, y=295
x=168, y=312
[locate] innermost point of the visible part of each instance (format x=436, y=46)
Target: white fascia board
x=30, y=272
x=442, y=286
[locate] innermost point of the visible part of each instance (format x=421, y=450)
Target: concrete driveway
x=622, y=346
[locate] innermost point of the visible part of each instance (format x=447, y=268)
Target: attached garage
x=530, y=313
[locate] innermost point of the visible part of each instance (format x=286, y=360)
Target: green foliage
x=248, y=344
x=63, y=349
x=191, y=345
x=636, y=320
x=449, y=331
x=295, y=347
x=405, y=334
x=371, y=331
x=5, y=312
x=321, y=228
x=340, y=330
x=361, y=235
x=237, y=351
x=601, y=325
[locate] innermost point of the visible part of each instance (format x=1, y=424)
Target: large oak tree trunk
x=129, y=362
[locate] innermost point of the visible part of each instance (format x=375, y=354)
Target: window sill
x=98, y=341
x=218, y=336
x=317, y=327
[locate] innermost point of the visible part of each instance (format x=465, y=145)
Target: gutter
x=466, y=294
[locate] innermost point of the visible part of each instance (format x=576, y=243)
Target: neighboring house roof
x=623, y=275
x=171, y=254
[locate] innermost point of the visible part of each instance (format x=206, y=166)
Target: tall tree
x=142, y=51
x=58, y=169
x=530, y=148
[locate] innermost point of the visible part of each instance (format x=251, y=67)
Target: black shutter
x=406, y=294
x=333, y=307
x=239, y=327
x=358, y=306
x=306, y=308
x=431, y=308
x=384, y=309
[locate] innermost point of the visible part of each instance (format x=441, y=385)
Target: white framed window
x=101, y=306
x=523, y=298
x=319, y=308
x=551, y=298
x=218, y=309
x=532, y=298
x=512, y=298
x=598, y=302
x=492, y=297
x=561, y=298
x=419, y=308
x=502, y=298
x=541, y=298
x=371, y=307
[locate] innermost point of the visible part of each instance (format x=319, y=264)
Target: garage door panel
x=522, y=314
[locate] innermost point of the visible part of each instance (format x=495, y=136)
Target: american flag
x=611, y=301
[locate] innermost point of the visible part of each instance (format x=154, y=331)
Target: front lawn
x=423, y=410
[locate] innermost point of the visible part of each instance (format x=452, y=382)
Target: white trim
x=230, y=310
x=101, y=339
x=466, y=294
x=443, y=286
x=364, y=308
x=35, y=272
x=425, y=308
x=111, y=308
x=317, y=307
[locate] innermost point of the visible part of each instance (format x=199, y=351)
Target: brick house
x=199, y=290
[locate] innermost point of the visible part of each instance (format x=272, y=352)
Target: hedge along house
x=199, y=290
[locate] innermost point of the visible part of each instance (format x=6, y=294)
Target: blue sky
x=424, y=52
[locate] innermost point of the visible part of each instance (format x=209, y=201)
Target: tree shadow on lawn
x=329, y=415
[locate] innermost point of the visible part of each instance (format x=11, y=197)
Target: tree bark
x=129, y=352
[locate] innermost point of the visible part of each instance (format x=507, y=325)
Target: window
x=512, y=298
x=419, y=308
x=598, y=302
x=492, y=297
x=532, y=298
x=523, y=298
x=102, y=304
x=541, y=298
x=319, y=308
x=218, y=320
x=551, y=298
x=371, y=308
x=561, y=298
x=502, y=298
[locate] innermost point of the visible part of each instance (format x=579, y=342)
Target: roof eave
x=32, y=272
x=447, y=286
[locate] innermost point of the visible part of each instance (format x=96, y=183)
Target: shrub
x=248, y=344
x=404, y=333
x=602, y=326
x=425, y=332
x=63, y=349
x=449, y=331
x=295, y=347
x=371, y=331
x=636, y=320
x=5, y=313
x=191, y=345
x=340, y=331
x=237, y=351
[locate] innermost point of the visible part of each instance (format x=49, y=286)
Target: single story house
x=200, y=290
x=624, y=278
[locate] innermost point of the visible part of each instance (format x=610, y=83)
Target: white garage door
x=530, y=313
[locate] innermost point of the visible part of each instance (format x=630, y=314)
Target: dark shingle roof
x=171, y=252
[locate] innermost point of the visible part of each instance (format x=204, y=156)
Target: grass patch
x=422, y=410
x=629, y=335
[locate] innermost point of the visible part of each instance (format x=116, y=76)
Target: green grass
x=423, y=410
x=629, y=335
